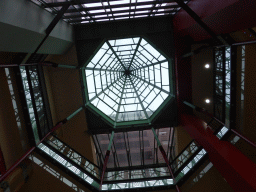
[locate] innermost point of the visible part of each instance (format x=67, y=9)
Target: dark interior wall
x=66, y=97
x=89, y=37
x=210, y=181
x=182, y=71
x=202, y=78
x=9, y=134
x=41, y=180
x=221, y=16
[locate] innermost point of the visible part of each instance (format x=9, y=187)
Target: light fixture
x=207, y=101
x=207, y=66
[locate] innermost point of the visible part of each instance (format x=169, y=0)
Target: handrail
x=79, y=160
x=55, y=136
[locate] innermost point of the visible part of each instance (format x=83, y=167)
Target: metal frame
x=80, y=11
x=221, y=85
x=125, y=144
x=132, y=72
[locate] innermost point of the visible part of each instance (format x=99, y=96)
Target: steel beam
x=238, y=170
x=46, y=63
x=192, y=14
x=51, y=26
x=106, y=158
x=165, y=158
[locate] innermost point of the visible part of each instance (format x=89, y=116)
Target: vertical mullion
x=223, y=84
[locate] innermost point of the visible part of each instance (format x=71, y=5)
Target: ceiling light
x=207, y=101
x=207, y=66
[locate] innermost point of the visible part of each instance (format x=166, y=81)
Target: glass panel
x=130, y=77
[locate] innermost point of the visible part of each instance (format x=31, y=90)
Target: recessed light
x=207, y=66
x=207, y=101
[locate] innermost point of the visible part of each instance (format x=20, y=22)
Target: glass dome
x=127, y=80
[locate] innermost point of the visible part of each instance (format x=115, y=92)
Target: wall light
x=207, y=66
x=207, y=101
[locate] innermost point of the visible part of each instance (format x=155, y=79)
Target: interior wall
x=67, y=98
x=182, y=139
x=212, y=181
x=202, y=78
x=9, y=133
x=23, y=25
x=212, y=12
x=250, y=92
x=41, y=180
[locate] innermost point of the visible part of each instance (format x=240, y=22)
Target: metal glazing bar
x=108, y=17
x=98, y=94
x=115, y=54
x=125, y=11
x=120, y=6
x=59, y=4
x=144, y=110
x=151, y=84
x=89, y=68
x=135, y=52
x=119, y=105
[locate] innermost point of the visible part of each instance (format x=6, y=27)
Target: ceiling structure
x=127, y=69
x=84, y=12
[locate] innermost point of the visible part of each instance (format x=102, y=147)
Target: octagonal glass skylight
x=127, y=80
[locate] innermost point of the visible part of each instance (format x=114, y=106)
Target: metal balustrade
x=35, y=101
x=74, y=156
x=125, y=179
x=137, y=174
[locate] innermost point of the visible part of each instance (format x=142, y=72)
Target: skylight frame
x=117, y=111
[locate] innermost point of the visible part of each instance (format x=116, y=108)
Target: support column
x=59, y=124
x=238, y=170
x=45, y=63
x=106, y=159
x=165, y=158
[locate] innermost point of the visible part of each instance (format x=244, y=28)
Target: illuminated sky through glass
x=127, y=79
